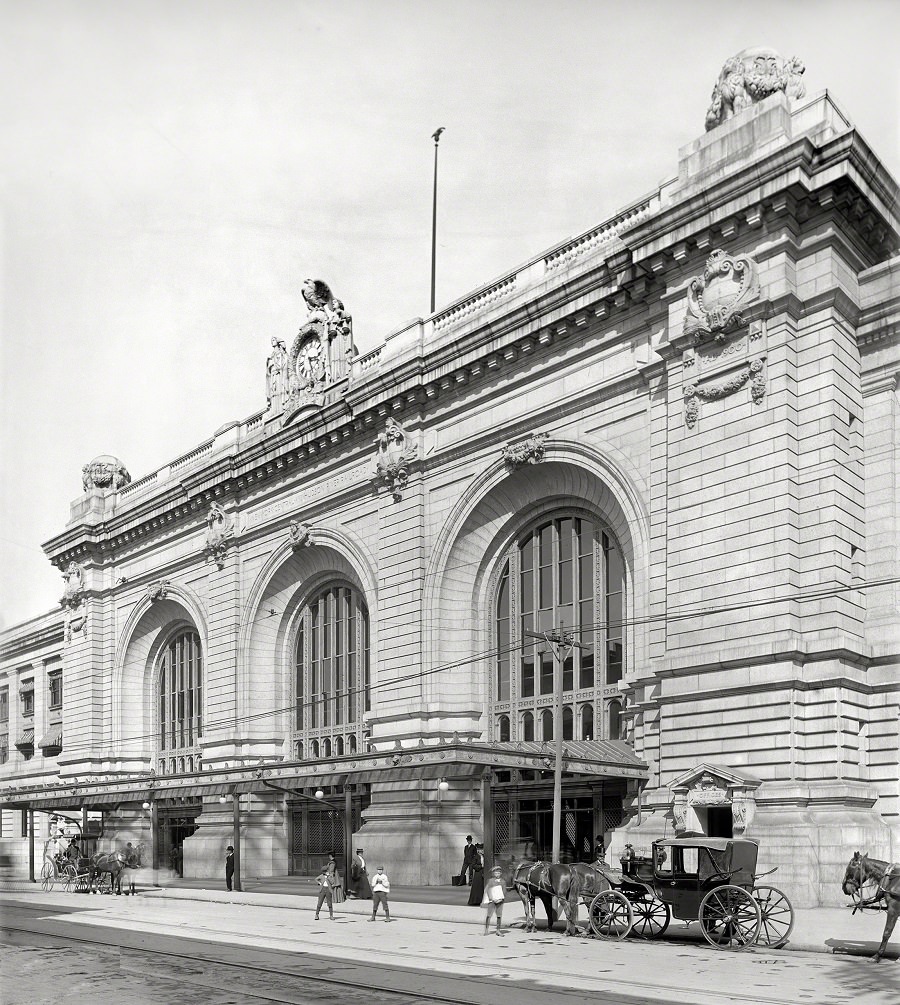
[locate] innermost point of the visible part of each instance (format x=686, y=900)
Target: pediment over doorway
x=706, y=776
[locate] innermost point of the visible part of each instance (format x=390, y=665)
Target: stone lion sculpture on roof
x=749, y=77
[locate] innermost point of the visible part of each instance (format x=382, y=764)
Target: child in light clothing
x=381, y=887
x=325, y=880
x=493, y=898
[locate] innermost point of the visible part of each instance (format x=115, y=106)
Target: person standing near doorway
x=470, y=853
x=229, y=866
x=359, y=877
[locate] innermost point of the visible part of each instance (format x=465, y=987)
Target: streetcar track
x=637, y=990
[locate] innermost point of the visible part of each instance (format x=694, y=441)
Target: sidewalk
x=816, y=930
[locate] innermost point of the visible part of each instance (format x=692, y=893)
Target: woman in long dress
x=476, y=890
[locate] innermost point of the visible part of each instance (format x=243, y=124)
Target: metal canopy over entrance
x=456, y=759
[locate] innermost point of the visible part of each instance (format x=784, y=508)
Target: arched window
x=587, y=722
x=503, y=728
x=565, y=572
x=615, y=720
x=339, y=747
x=546, y=724
x=331, y=668
x=180, y=693
x=528, y=726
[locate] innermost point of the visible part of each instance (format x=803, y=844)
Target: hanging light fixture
x=443, y=785
x=223, y=800
x=145, y=805
x=320, y=794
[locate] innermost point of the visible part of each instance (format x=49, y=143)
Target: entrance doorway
x=176, y=824
x=318, y=828
x=719, y=822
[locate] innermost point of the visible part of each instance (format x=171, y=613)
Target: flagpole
x=436, y=137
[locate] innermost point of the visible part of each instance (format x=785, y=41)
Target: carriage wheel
x=48, y=875
x=70, y=878
x=651, y=917
x=730, y=918
x=777, y=917
x=611, y=915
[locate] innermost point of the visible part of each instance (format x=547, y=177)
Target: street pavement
x=443, y=942
x=816, y=930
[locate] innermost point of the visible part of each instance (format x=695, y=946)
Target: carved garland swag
x=713, y=392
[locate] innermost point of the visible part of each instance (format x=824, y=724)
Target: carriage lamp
x=320, y=794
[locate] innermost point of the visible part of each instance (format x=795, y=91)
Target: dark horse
x=113, y=865
x=132, y=855
x=531, y=880
x=861, y=868
x=570, y=883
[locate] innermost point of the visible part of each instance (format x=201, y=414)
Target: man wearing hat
x=359, y=879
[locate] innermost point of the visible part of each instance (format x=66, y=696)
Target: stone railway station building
x=675, y=436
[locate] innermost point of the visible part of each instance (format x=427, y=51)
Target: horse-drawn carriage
x=101, y=873
x=710, y=880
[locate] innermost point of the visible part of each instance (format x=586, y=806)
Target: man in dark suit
x=229, y=866
x=470, y=854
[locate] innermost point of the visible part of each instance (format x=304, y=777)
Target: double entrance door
x=318, y=829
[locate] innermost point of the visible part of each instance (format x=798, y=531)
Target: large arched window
x=180, y=694
x=565, y=572
x=331, y=670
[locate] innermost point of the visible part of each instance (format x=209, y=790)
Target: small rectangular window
x=28, y=700
x=4, y=704
x=4, y=748
x=54, y=683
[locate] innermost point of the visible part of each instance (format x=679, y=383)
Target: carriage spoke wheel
x=611, y=915
x=48, y=875
x=651, y=917
x=777, y=917
x=730, y=918
x=70, y=878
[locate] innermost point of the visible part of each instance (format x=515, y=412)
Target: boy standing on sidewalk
x=325, y=879
x=381, y=887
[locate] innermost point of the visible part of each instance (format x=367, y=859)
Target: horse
x=569, y=883
x=530, y=880
x=861, y=868
x=112, y=863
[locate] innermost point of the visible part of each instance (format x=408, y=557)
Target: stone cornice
x=37, y=638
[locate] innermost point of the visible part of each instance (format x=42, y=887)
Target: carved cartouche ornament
x=530, y=451
x=219, y=534
x=715, y=299
x=104, y=472
x=73, y=589
x=158, y=590
x=749, y=77
x=300, y=534
x=396, y=453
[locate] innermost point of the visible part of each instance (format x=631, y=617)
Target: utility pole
x=436, y=135
x=561, y=643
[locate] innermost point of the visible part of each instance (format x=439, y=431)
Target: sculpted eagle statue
x=317, y=294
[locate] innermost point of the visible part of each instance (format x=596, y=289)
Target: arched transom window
x=567, y=572
x=180, y=702
x=331, y=673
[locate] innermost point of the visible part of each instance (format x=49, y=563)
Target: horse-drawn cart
x=710, y=880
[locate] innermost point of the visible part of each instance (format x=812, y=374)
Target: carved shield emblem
x=715, y=299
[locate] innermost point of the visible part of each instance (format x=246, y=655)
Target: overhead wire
x=493, y=653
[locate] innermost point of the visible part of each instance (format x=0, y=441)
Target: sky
x=171, y=172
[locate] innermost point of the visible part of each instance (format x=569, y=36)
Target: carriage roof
x=745, y=845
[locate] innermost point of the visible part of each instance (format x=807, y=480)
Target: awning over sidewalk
x=455, y=759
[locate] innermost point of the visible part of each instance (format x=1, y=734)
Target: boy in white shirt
x=381, y=887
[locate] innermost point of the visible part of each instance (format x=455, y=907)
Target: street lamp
x=443, y=786
x=145, y=805
x=223, y=799
x=320, y=794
